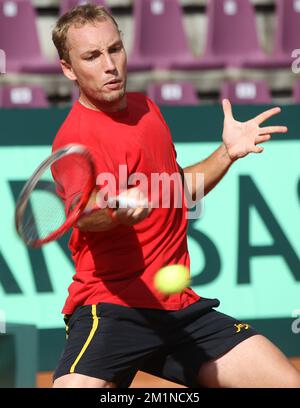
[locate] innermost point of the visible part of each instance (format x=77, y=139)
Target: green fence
x=19, y=356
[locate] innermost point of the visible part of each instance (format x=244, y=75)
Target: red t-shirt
x=118, y=266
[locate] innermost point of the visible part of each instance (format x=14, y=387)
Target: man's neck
x=103, y=107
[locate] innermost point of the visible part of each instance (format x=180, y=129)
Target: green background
x=244, y=249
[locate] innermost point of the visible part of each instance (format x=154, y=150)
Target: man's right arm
x=100, y=220
x=105, y=219
x=96, y=219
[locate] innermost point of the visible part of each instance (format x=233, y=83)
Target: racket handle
x=119, y=202
x=126, y=202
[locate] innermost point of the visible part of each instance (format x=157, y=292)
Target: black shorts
x=113, y=342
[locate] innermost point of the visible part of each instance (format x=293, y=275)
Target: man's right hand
x=106, y=219
x=131, y=216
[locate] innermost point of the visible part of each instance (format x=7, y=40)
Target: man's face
x=98, y=63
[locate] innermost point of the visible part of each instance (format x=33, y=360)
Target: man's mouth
x=113, y=81
x=114, y=84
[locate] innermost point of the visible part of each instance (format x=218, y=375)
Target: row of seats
x=160, y=40
x=169, y=93
x=239, y=92
x=66, y=5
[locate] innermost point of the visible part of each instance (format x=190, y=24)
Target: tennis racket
x=46, y=209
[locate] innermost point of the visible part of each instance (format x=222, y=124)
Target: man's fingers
x=266, y=115
x=227, y=109
x=138, y=212
x=258, y=149
x=262, y=139
x=130, y=216
x=273, y=129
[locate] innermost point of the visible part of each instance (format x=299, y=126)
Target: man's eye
x=91, y=58
x=115, y=49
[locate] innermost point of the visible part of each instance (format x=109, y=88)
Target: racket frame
x=74, y=214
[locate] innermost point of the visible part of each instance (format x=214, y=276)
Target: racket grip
x=119, y=202
x=126, y=202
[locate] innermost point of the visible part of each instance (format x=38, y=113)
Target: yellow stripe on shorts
x=89, y=339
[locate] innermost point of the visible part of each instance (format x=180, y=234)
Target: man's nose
x=109, y=63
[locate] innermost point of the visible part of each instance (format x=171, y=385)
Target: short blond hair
x=78, y=16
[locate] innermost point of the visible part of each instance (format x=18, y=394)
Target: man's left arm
x=239, y=139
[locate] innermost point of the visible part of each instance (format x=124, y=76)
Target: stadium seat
x=246, y=92
x=69, y=4
x=170, y=93
x=232, y=37
x=19, y=39
x=288, y=32
x=159, y=37
x=296, y=92
x=32, y=96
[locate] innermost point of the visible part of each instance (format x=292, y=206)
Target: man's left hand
x=242, y=138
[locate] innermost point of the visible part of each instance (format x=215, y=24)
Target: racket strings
x=44, y=213
x=54, y=196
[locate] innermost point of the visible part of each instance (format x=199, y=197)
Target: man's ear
x=67, y=70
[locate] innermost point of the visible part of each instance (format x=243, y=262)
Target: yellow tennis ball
x=172, y=279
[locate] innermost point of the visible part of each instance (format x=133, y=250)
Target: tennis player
x=117, y=322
